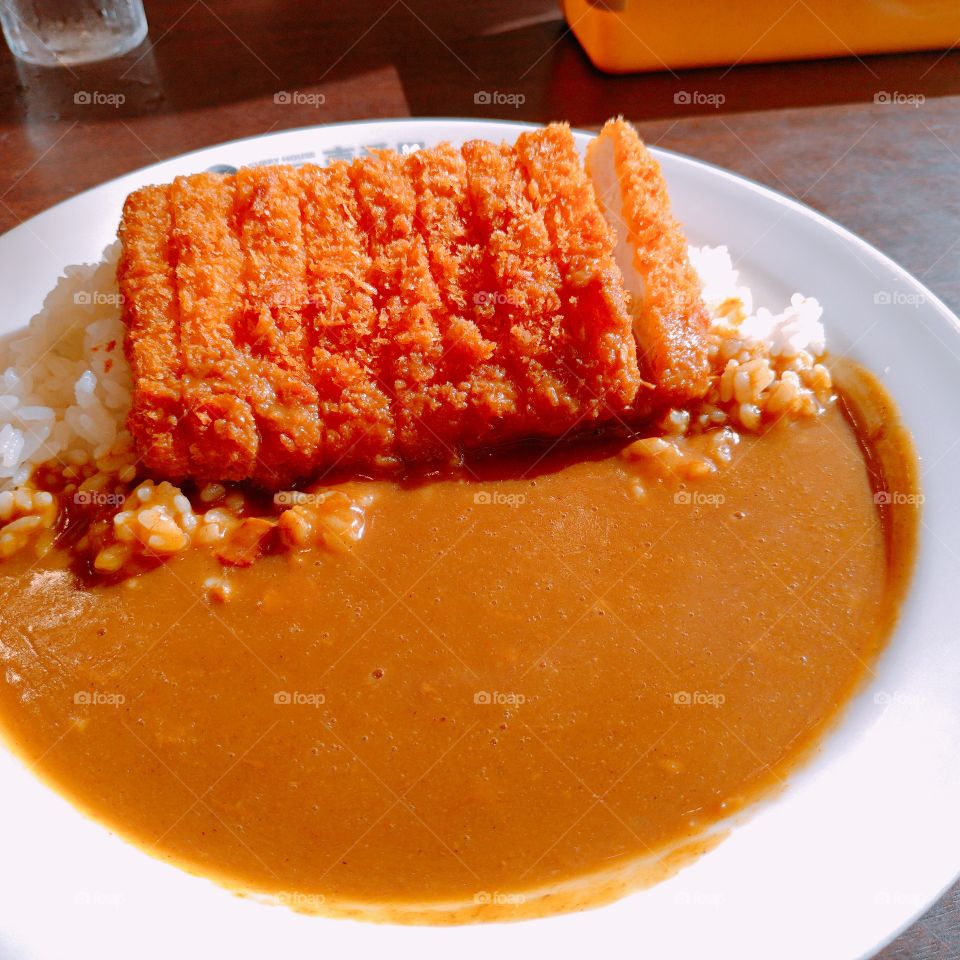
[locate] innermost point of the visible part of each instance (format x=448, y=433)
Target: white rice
x=63, y=391
x=796, y=328
x=58, y=400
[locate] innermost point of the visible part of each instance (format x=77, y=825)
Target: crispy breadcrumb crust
x=341, y=322
x=595, y=307
x=671, y=324
x=282, y=322
x=285, y=403
x=151, y=313
x=469, y=397
x=222, y=434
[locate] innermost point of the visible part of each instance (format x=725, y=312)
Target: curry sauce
x=523, y=684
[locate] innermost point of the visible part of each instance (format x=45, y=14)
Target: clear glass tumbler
x=55, y=33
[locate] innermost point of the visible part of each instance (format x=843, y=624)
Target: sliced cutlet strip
x=483, y=210
x=602, y=351
x=282, y=395
x=146, y=276
x=670, y=320
x=220, y=426
x=341, y=322
x=525, y=292
x=407, y=297
x=470, y=398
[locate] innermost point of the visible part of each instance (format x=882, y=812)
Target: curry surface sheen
x=514, y=681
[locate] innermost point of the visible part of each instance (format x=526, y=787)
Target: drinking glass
x=55, y=33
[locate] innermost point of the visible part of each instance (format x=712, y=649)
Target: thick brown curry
x=523, y=681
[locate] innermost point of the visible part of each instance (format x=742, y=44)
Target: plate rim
x=944, y=312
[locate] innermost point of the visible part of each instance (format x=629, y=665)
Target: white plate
x=864, y=838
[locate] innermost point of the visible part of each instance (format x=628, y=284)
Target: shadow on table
x=516, y=61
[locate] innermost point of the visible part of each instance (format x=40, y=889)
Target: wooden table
x=210, y=72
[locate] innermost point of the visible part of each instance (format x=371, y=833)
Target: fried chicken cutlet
x=670, y=320
x=282, y=322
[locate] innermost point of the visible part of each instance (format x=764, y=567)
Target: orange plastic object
x=624, y=36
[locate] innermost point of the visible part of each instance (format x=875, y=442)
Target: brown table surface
x=209, y=72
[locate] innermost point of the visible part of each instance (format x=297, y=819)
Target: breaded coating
x=408, y=301
x=151, y=312
x=284, y=322
x=341, y=322
x=469, y=395
x=670, y=318
x=601, y=358
x=283, y=398
x=220, y=426
x=525, y=288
